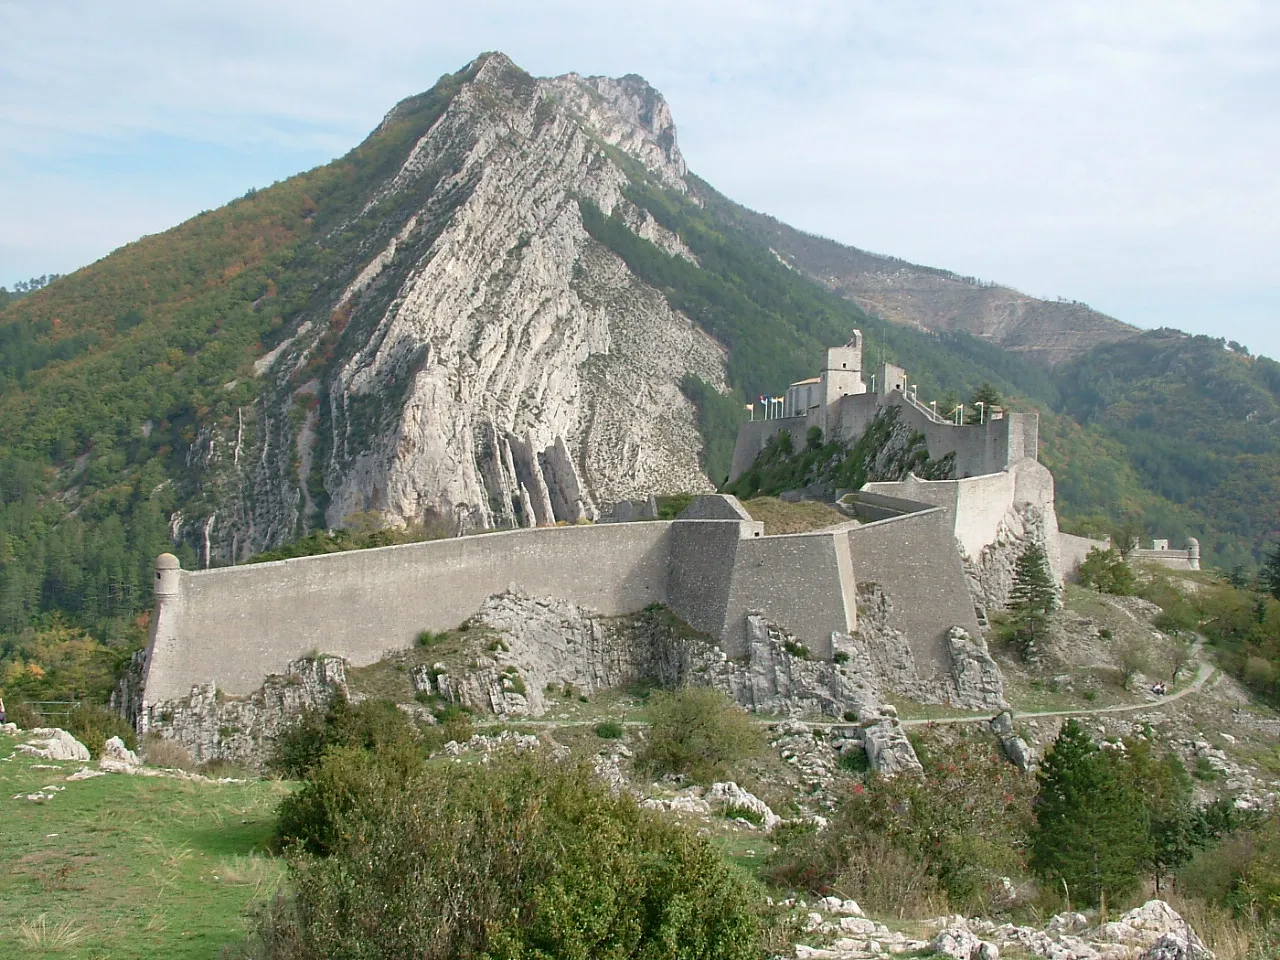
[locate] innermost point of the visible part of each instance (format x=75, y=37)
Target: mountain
x=1045, y=331
x=510, y=304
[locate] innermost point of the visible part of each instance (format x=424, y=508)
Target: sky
x=1123, y=153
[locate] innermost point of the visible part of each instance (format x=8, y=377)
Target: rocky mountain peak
x=492, y=364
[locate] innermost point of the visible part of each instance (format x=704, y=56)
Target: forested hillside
x=1197, y=423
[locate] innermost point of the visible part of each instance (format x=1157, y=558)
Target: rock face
x=211, y=726
x=490, y=364
x=977, y=678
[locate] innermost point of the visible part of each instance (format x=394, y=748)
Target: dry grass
x=1220, y=929
x=159, y=752
x=39, y=934
x=780, y=517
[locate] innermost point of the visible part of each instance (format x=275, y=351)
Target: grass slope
x=126, y=866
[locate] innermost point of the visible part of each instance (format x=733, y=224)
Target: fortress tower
x=841, y=377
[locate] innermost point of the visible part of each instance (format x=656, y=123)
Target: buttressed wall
x=233, y=626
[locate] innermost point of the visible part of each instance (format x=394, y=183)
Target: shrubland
x=516, y=857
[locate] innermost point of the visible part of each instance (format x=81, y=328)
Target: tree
x=1107, y=571
x=1092, y=825
x=1270, y=573
x=1033, y=598
x=986, y=395
x=697, y=731
x=1178, y=657
x=1132, y=661
x=1127, y=536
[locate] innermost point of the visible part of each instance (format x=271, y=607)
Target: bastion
x=712, y=566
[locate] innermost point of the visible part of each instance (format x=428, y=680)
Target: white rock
x=114, y=749
x=960, y=943
x=52, y=743
x=1145, y=925
x=9, y=729
x=1172, y=946
x=858, y=925
x=729, y=794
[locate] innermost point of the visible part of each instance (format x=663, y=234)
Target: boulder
x=889, y=751
x=117, y=757
x=1019, y=753
x=9, y=729
x=52, y=743
x=960, y=943
x=731, y=795
x=1172, y=946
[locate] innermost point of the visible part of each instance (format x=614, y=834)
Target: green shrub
x=840, y=656
x=24, y=715
x=610, y=730
x=1108, y=572
x=94, y=726
x=797, y=650
x=917, y=847
x=1242, y=872
x=428, y=638
x=698, y=732
x=453, y=722
x=734, y=812
x=367, y=725
x=518, y=858
x=349, y=782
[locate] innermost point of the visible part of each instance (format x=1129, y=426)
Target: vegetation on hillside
x=517, y=857
x=887, y=450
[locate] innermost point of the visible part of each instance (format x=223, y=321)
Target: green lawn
x=127, y=866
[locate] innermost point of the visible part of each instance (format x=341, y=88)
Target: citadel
x=893, y=600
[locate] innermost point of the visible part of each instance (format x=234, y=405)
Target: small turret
x=1193, y=553
x=167, y=573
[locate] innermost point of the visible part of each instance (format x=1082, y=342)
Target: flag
x=749, y=406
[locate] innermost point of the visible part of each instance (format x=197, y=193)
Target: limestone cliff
x=487, y=364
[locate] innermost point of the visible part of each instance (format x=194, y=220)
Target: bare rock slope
x=494, y=366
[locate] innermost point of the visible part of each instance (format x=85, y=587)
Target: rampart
x=234, y=626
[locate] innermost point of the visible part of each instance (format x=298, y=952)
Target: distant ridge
x=1047, y=332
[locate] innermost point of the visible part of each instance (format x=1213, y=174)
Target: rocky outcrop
x=487, y=363
x=53, y=743
x=213, y=726
x=977, y=678
x=991, y=573
x=888, y=750
x=552, y=645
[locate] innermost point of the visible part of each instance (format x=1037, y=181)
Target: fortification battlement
x=841, y=401
x=235, y=625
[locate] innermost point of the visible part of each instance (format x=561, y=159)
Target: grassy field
x=780, y=517
x=126, y=866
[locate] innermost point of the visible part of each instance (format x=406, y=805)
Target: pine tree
x=1091, y=829
x=1270, y=573
x=1033, y=598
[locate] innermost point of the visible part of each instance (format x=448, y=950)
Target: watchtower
x=843, y=372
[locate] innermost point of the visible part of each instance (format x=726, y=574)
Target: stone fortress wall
x=234, y=626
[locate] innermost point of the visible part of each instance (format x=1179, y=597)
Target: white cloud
x=1073, y=148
